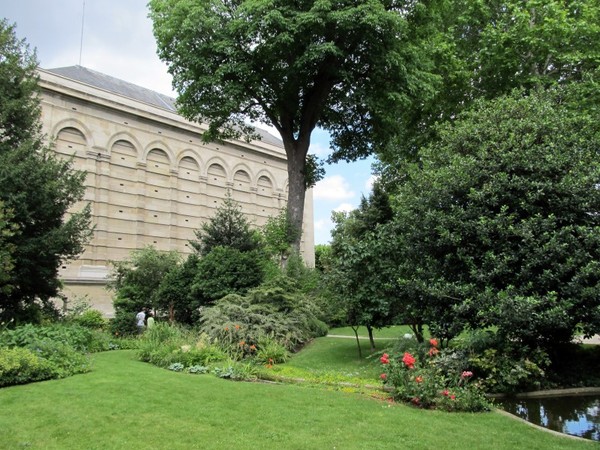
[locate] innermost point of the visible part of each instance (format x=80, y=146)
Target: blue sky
x=117, y=40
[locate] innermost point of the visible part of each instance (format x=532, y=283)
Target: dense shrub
x=227, y=270
x=91, y=318
x=21, y=365
x=81, y=339
x=421, y=381
x=164, y=345
x=66, y=360
x=276, y=310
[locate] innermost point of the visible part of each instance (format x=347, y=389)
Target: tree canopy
x=343, y=66
x=484, y=49
x=37, y=189
x=499, y=224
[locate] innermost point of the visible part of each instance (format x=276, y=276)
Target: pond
x=575, y=415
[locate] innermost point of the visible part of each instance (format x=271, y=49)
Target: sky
x=115, y=37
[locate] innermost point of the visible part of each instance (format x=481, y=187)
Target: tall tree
x=344, y=66
x=359, y=273
x=486, y=48
x=229, y=227
x=35, y=186
x=500, y=224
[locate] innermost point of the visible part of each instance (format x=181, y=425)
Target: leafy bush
x=422, y=382
x=227, y=270
x=21, y=365
x=164, y=345
x=502, y=367
x=91, y=318
x=276, y=310
x=63, y=357
x=271, y=352
x=80, y=338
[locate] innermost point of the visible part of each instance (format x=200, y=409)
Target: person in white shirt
x=139, y=321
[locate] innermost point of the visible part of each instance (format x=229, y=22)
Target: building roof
x=133, y=91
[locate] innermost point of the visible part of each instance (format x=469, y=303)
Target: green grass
x=126, y=404
x=393, y=332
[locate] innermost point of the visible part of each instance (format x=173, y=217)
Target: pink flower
x=409, y=360
x=433, y=351
x=467, y=374
x=433, y=342
x=383, y=376
x=453, y=397
x=384, y=359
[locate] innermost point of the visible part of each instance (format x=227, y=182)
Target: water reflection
x=575, y=415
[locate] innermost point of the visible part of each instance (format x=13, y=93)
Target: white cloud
x=318, y=149
x=345, y=207
x=369, y=183
x=334, y=187
x=322, y=224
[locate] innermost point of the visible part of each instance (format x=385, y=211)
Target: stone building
x=150, y=178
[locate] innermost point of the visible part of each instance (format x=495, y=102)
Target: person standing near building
x=139, y=321
x=150, y=320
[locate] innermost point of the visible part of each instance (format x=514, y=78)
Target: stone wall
x=150, y=178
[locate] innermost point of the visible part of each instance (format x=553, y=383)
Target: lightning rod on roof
x=82, y=21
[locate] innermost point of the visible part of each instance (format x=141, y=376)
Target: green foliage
x=7, y=230
x=269, y=351
x=421, y=381
x=78, y=337
x=278, y=311
x=164, y=345
x=295, y=66
x=484, y=49
x=136, y=283
x=498, y=225
x=92, y=318
x=364, y=280
x=279, y=235
x=36, y=191
x=229, y=228
x=227, y=270
x=21, y=365
x=175, y=294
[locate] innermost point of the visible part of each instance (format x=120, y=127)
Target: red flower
x=416, y=400
x=237, y=327
x=384, y=359
x=252, y=347
x=409, y=360
x=445, y=392
x=433, y=351
x=242, y=343
x=467, y=374
x=453, y=397
x=383, y=376
x=419, y=379
x=433, y=342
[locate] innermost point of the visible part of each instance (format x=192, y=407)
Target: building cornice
x=55, y=83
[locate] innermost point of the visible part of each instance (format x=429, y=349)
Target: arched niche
x=216, y=174
x=158, y=161
x=70, y=141
x=188, y=168
x=123, y=153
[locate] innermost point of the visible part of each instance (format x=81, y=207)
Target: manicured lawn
x=126, y=404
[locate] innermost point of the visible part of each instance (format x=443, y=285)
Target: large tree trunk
x=296, y=151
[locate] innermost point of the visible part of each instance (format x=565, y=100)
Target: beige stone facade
x=150, y=178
